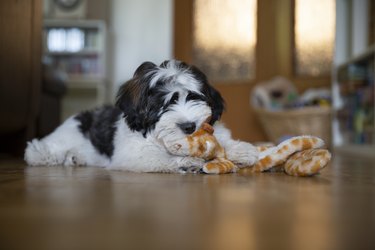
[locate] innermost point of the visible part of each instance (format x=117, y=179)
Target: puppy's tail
x=37, y=153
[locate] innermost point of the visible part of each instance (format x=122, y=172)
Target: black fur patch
x=214, y=98
x=211, y=95
x=142, y=105
x=141, y=110
x=195, y=97
x=98, y=125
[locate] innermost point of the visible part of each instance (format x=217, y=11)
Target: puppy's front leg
x=190, y=165
x=243, y=154
x=181, y=153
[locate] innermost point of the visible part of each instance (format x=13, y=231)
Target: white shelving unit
x=78, y=48
x=353, y=79
x=356, y=116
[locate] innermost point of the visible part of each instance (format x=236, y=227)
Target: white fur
x=65, y=146
x=183, y=78
x=134, y=152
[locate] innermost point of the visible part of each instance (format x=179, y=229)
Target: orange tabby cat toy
x=298, y=156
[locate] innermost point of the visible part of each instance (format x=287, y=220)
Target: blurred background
x=284, y=67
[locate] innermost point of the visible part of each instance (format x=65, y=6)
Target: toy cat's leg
x=307, y=162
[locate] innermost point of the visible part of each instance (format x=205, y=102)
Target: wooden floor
x=91, y=208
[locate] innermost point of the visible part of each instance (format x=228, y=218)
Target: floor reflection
x=92, y=208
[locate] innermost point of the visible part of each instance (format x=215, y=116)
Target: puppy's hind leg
x=59, y=147
x=38, y=153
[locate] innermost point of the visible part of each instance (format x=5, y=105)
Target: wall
x=99, y=9
x=359, y=27
x=139, y=30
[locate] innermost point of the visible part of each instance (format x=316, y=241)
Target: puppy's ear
x=144, y=68
x=214, y=98
x=132, y=98
x=215, y=101
x=129, y=101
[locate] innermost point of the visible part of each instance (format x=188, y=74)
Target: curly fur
x=137, y=134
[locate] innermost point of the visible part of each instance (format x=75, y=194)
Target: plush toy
x=298, y=156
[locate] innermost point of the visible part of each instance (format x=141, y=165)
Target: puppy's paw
x=190, y=170
x=73, y=159
x=39, y=153
x=36, y=153
x=189, y=164
x=243, y=154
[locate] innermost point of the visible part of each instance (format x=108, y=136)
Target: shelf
x=368, y=54
x=84, y=52
x=356, y=115
x=85, y=68
x=64, y=23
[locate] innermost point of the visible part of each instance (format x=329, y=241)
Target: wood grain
x=92, y=208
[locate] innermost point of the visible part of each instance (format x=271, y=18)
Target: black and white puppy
x=158, y=107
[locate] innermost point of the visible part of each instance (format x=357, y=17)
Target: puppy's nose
x=187, y=127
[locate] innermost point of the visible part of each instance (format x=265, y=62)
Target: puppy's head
x=172, y=99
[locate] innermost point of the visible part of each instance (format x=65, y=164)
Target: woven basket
x=304, y=121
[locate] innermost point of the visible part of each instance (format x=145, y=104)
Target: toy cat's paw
x=219, y=166
x=243, y=154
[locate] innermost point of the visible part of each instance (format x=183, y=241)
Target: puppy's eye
x=174, y=98
x=151, y=92
x=194, y=96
